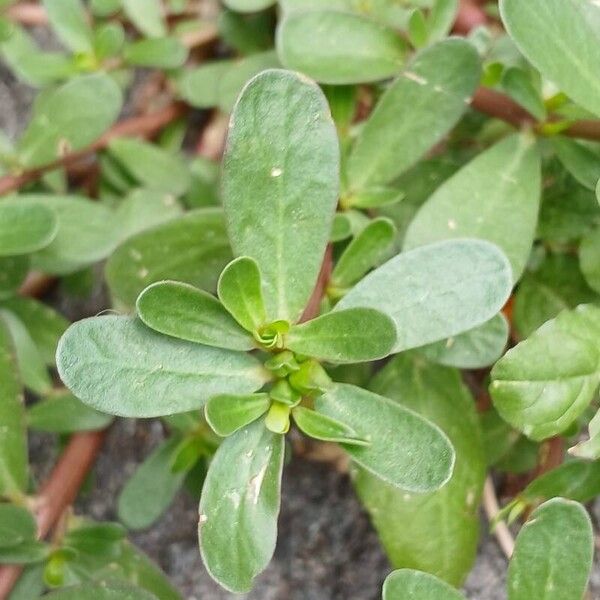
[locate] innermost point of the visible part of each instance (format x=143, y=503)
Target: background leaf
x=415, y=585
x=68, y=19
x=280, y=183
x=240, y=505
x=24, y=227
x=146, y=15
x=119, y=366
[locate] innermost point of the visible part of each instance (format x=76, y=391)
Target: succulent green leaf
x=240, y=505
x=364, y=252
x=280, y=185
x=159, y=53
x=553, y=554
x=200, y=86
x=240, y=291
x=146, y=15
x=441, y=18
x=111, y=590
x=13, y=270
x=473, y=349
x=17, y=525
x=152, y=487
x=25, y=227
x=152, y=166
x=64, y=413
x=406, y=584
x=322, y=427
x=437, y=532
x=183, y=311
x=557, y=284
x=589, y=255
x=44, y=324
x=248, y=5
x=86, y=233
x=192, y=248
x=119, y=366
x=69, y=21
x=436, y=291
x=590, y=448
x=69, y=118
x=25, y=553
x=506, y=181
x=518, y=85
x=227, y=413
x=339, y=47
x=544, y=384
x=414, y=113
x=405, y=450
x=31, y=365
x=345, y=336
x=579, y=160
x=560, y=38
x=13, y=434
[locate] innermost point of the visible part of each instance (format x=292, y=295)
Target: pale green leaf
x=560, y=38
x=111, y=590
x=441, y=18
x=405, y=450
x=364, y=252
x=69, y=21
x=69, y=118
x=25, y=227
x=518, y=85
x=322, y=427
x=248, y=5
x=119, y=366
x=146, y=15
x=159, y=53
x=240, y=505
x=544, y=384
x=553, y=554
x=579, y=160
x=13, y=434
x=414, y=113
x=240, y=291
x=64, y=413
x=192, y=248
x=589, y=255
x=339, y=47
x=280, y=185
x=183, y=311
x=345, y=336
x=473, y=349
x=200, y=86
x=151, y=488
x=407, y=584
x=495, y=197
x=228, y=413
x=436, y=291
x=437, y=532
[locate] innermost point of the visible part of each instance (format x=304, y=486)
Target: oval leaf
x=228, y=413
x=240, y=505
x=280, y=185
x=407, y=584
x=240, y=291
x=436, y=291
x=405, y=450
x=185, y=312
x=506, y=180
x=560, y=571
x=353, y=335
x=25, y=227
x=414, y=113
x=321, y=427
x=101, y=591
x=119, y=366
x=339, y=47
x=560, y=38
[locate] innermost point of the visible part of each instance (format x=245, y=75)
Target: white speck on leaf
x=414, y=77
x=202, y=519
x=451, y=224
x=143, y=273
x=255, y=485
x=276, y=172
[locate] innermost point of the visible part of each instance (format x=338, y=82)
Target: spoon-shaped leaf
x=119, y=366
x=322, y=427
x=240, y=291
x=436, y=291
x=239, y=506
x=227, y=413
x=405, y=449
x=553, y=554
x=353, y=335
x=25, y=227
x=406, y=584
x=185, y=312
x=280, y=185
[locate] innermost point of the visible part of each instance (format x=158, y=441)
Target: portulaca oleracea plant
x=256, y=359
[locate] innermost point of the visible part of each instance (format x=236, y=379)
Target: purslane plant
x=247, y=356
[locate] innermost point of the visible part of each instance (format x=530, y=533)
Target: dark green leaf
x=13, y=270
x=228, y=413
x=325, y=428
x=119, y=366
x=280, y=185
x=239, y=506
x=185, y=312
x=17, y=525
x=110, y=590
x=248, y=5
x=24, y=553
x=405, y=450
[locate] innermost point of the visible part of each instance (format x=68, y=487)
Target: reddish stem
x=469, y=16
x=314, y=303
